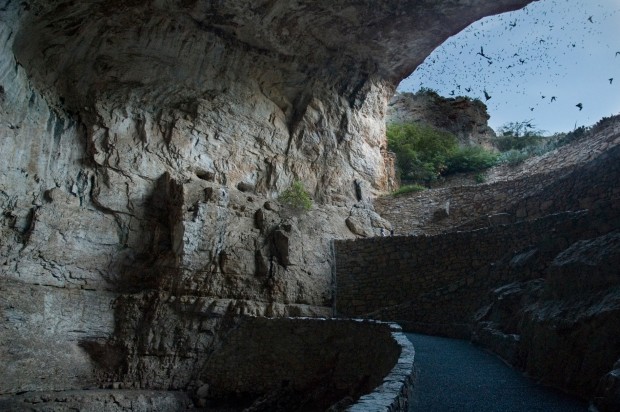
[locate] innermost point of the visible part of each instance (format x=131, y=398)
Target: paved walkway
x=454, y=375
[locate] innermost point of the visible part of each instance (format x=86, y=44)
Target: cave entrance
x=551, y=64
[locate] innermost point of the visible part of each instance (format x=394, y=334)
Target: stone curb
x=397, y=388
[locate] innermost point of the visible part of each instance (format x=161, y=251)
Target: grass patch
x=408, y=189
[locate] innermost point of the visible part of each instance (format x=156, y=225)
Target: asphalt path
x=454, y=375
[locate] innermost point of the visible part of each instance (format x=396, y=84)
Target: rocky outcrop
x=607, y=397
x=144, y=145
x=98, y=400
x=572, y=312
x=463, y=117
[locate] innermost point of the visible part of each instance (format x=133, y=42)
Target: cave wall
x=143, y=146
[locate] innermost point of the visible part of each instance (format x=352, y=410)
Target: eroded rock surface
x=463, y=117
x=98, y=400
x=572, y=312
x=143, y=148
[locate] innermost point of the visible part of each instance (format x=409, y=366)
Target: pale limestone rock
x=442, y=212
x=126, y=130
x=364, y=221
x=357, y=228
x=466, y=119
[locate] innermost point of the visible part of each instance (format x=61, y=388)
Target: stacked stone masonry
x=332, y=358
x=405, y=279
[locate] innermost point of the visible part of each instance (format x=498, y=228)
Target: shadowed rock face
x=171, y=50
x=143, y=145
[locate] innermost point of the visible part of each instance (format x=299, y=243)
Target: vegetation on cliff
x=464, y=117
x=296, y=197
x=424, y=153
x=518, y=141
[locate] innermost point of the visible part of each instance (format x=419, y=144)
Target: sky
x=536, y=64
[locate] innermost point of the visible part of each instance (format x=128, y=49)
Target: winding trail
x=454, y=375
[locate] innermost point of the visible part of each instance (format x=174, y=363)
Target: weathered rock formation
x=143, y=147
x=571, y=311
x=463, y=117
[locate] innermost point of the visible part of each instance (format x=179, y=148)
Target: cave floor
x=455, y=375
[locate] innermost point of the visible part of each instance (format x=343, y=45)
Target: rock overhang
x=168, y=51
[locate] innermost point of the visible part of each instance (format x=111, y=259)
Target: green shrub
x=469, y=159
x=421, y=151
x=513, y=157
x=506, y=143
x=424, y=153
x=573, y=136
x=408, y=189
x=296, y=197
x=479, y=178
x=427, y=91
x=518, y=136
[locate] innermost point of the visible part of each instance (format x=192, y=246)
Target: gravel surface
x=454, y=375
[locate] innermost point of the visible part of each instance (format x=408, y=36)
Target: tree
x=518, y=135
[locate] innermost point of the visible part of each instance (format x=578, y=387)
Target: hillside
x=524, y=264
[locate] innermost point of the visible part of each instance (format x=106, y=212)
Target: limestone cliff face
x=143, y=145
x=465, y=118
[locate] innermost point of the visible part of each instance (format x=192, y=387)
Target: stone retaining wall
x=591, y=186
x=95, y=400
x=394, y=393
x=321, y=358
x=405, y=279
x=294, y=363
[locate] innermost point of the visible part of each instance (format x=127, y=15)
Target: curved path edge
x=396, y=391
